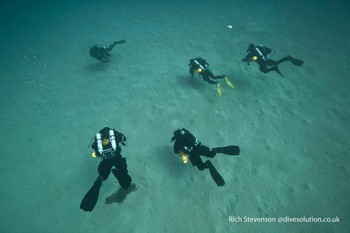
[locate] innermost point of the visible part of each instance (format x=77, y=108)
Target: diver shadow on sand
x=171, y=164
x=121, y=194
x=187, y=82
x=194, y=84
x=97, y=67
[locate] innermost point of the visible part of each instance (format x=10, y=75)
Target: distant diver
x=101, y=53
x=106, y=147
x=201, y=67
x=189, y=148
x=260, y=55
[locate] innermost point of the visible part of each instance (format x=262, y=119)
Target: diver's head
x=94, y=51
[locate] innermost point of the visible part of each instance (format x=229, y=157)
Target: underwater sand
x=293, y=132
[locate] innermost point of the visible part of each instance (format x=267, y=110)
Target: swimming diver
x=188, y=147
x=101, y=53
x=106, y=147
x=260, y=55
x=201, y=67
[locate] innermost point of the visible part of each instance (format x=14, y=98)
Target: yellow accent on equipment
x=93, y=155
x=228, y=82
x=184, y=157
x=218, y=90
x=105, y=141
x=198, y=71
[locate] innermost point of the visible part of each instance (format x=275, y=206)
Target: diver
x=189, y=148
x=106, y=147
x=260, y=55
x=101, y=53
x=201, y=67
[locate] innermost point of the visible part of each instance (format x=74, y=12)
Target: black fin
x=215, y=174
x=228, y=150
x=278, y=71
x=90, y=199
x=296, y=62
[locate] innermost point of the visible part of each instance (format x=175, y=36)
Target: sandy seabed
x=293, y=132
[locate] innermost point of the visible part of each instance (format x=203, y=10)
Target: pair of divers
x=189, y=148
x=107, y=147
x=201, y=67
x=261, y=55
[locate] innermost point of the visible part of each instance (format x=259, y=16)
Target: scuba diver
x=201, y=67
x=189, y=148
x=260, y=55
x=101, y=53
x=106, y=147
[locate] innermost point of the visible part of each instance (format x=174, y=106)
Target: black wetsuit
x=111, y=157
x=120, y=170
x=187, y=143
x=206, y=74
x=261, y=53
x=102, y=53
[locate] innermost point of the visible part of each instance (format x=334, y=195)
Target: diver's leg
x=228, y=150
x=114, y=44
x=120, y=42
x=293, y=60
x=197, y=161
x=111, y=47
x=215, y=174
x=287, y=58
x=212, y=76
x=90, y=199
x=104, y=168
x=205, y=151
x=121, y=173
x=263, y=68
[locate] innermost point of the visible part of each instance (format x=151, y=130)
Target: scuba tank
x=112, y=139
x=99, y=143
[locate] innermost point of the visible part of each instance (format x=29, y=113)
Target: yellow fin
x=218, y=89
x=228, y=82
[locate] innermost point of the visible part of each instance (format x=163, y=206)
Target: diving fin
x=228, y=150
x=120, y=42
x=218, y=90
x=215, y=174
x=296, y=62
x=228, y=82
x=278, y=70
x=90, y=199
